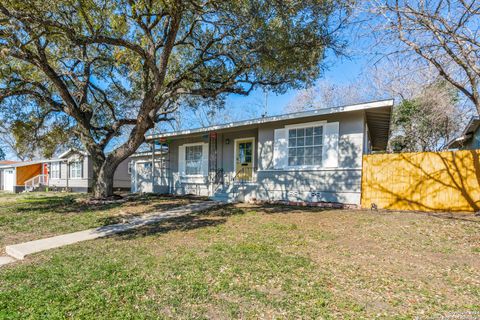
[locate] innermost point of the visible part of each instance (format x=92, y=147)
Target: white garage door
x=9, y=179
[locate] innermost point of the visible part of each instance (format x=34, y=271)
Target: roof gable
x=70, y=151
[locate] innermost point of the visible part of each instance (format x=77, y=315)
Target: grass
x=254, y=262
x=30, y=216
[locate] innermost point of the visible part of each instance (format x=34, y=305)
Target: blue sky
x=359, y=56
x=340, y=71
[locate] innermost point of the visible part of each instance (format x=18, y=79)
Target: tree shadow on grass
x=285, y=209
x=58, y=204
x=166, y=206
x=458, y=216
x=207, y=218
x=71, y=204
x=153, y=208
x=466, y=217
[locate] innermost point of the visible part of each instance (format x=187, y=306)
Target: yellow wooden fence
x=426, y=181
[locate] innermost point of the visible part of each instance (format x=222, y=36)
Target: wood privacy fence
x=426, y=181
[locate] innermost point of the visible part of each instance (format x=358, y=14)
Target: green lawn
x=33, y=216
x=254, y=262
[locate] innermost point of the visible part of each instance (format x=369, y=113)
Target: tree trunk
x=104, y=170
x=104, y=167
x=103, y=180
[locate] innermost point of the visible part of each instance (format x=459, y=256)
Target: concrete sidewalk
x=21, y=250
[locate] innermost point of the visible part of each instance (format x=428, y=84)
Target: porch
x=222, y=166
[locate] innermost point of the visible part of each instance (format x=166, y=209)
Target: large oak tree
x=106, y=68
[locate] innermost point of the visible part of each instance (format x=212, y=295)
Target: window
x=305, y=146
x=76, y=170
x=193, y=160
x=245, y=152
x=55, y=170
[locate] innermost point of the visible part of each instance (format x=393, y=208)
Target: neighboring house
x=2, y=173
x=15, y=176
x=470, y=137
x=312, y=156
x=71, y=171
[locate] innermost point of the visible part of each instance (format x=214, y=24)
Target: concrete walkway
x=6, y=260
x=21, y=250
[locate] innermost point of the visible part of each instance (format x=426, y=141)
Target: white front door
x=9, y=180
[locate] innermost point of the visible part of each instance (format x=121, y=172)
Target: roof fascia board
x=290, y=116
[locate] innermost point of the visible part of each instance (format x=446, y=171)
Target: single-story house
x=470, y=136
x=14, y=176
x=311, y=156
x=2, y=177
x=72, y=171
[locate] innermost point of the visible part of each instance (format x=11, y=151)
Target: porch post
x=162, y=173
x=153, y=165
x=212, y=160
x=68, y=173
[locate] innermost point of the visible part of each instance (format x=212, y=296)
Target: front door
x=9, y=180
x=244, y=151
x=143, y=177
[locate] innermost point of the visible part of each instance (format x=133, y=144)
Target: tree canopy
x=106, y=68
x=428, y=121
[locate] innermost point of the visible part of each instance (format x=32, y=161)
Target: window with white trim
x=305, y=146
x=76, y=170
x=55, y=170
x=193, y=160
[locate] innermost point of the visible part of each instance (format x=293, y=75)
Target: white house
x=311, y=156
x=72, y=171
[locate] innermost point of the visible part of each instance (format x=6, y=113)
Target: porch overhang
x=378, y=121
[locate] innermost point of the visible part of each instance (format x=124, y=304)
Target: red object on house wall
x=45, y=171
